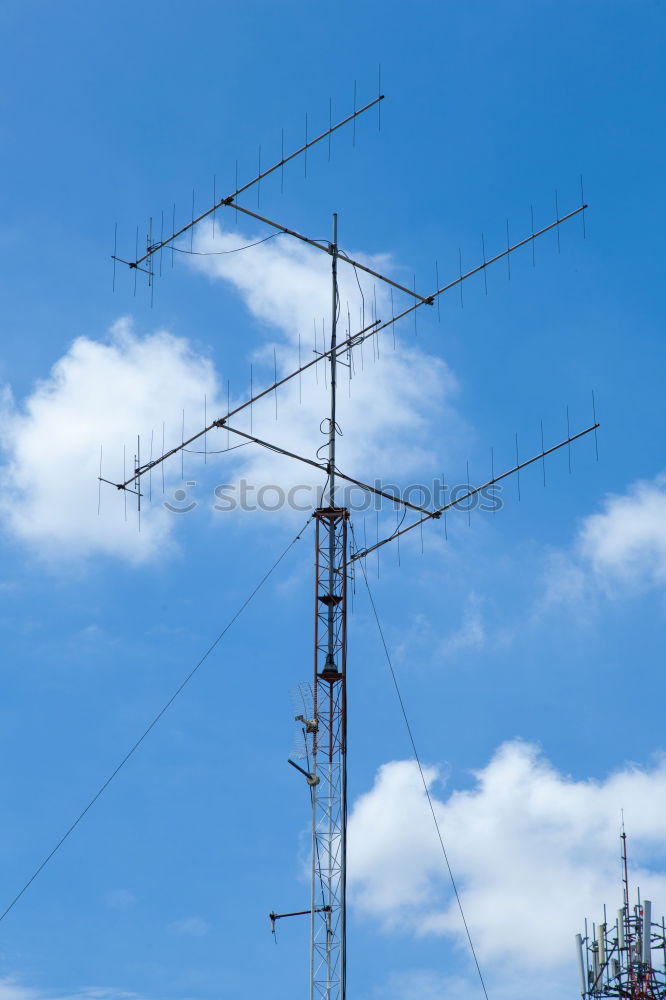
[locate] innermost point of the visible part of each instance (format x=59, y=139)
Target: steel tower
x=325, y=723
x=329, y=789
x=625, y=957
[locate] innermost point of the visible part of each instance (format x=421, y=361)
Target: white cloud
x=533, y=850
x=424, y=984
x=472, y=631
x=620, y=547
x=190, y=926
x=12, y=989
x=96, y=394
x=107, y=393
x=387, y=410
x=626, y=542
x=120, y=899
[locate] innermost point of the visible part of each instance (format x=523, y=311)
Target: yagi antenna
x=338, y=350
x=325, y=726
x=229, y=199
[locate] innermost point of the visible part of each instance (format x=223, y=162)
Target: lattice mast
x=329, y=792
x=624, y=957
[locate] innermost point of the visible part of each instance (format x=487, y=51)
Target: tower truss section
x=329, y=790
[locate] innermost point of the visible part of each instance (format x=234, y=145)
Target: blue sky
x=529, y=644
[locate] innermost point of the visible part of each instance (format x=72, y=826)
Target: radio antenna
x=326, y=772
x=626, y=958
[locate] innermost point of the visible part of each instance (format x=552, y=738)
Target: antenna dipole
x=351, y=342
x=153, y=248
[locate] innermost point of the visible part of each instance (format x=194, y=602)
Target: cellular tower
x=624, y=957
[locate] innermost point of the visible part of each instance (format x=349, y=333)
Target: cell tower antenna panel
x=627, y=958
x=325, y=730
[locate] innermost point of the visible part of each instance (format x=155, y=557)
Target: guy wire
x=425, y=784
x=232, y=621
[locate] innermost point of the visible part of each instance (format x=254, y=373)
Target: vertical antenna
x=115, y=251
x=568, y=435
x=314, y=331
x=397, y=525
x=192, y=229
x=379, y=104
x=354, y=124
x=594, y=414
x=485, y=273
x=533, y=241
x=323, y=349
x=151, y=281
x=275, y=380
x=517, y=463
x=625, y=867
x=182, y=453
x=334, y=331
x=461, y=284
x=374, y=317
x=469, y=509
x=138, y=480
x=416, y=331
x=99, y=483
x=215, y=203
x=350, y=354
